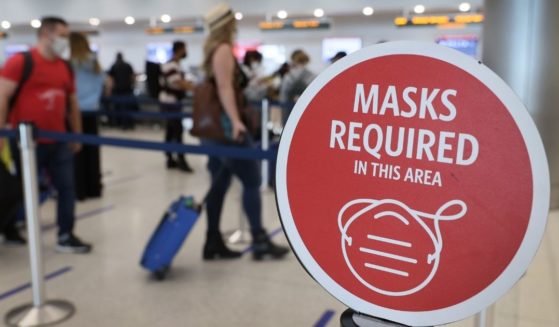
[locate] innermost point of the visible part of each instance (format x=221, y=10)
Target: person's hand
x=187, y=85
x=239, y=130
x=75, y=147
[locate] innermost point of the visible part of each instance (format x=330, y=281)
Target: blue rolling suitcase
x=169, y=236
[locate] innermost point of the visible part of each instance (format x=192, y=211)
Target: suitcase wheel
x=161, y=273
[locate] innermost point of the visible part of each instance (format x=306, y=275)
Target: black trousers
x=173, y=130
x=88, y=164
x=124, y=101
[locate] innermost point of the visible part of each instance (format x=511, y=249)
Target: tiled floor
x=109, y=288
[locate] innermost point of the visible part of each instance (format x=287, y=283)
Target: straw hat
x=218, y=16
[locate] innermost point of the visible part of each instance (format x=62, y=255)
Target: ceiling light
x=6, y=24
x=419, y=9
x=35, y=23
x=464, y=7
x=318, y=13
x=238, y=16
x=129, y=20
x=282, y=14
x=165, y=18
x=368, y=11
x=94, y=21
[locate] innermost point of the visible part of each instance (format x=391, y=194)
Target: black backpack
x=153, y=72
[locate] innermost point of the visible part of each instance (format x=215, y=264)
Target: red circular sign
x=412, y=183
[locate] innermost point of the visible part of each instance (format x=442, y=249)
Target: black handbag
x=11, y=196
x=10, y=186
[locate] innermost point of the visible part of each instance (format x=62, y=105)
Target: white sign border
x=540, y=175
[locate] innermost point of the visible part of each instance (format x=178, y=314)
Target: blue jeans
x=222, y=171
x=58, y=160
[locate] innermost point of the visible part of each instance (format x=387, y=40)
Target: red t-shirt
x=44, y=96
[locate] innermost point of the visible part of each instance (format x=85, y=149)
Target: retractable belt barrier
x=41, y=311
x=237, y=152
x=139, y=114
x=175, y=109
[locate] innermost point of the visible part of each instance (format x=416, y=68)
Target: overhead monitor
x=467, y=44
x=12, y=49
x=331, y=46
x=159, y=52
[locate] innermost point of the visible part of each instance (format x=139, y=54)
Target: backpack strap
x=25, y=74
x=68, y=105
x=70, y=68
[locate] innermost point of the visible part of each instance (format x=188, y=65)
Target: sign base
x=52, y=312
x=351, y=318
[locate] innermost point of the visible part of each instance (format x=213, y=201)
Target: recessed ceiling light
x=368, y=11
x=166, y=18
x=129, y=20
x=238, y=15
x=282, y=14
x=318, y=13
x=94, y=21
x=6, y=24
x=464, y=7
x=419, y=9
x=35, y=23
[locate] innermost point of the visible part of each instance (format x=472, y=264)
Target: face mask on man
x=255, y=65
x=60, y=46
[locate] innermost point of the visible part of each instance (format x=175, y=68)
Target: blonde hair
x=80, y=50
x=218, y=36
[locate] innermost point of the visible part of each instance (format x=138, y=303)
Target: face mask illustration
x=60, y=45
x=390, y=248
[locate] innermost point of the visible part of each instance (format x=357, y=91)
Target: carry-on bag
x=166, y=241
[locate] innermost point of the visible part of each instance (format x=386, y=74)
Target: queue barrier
x=138, y=114
x=237, y=152
x=43, y=312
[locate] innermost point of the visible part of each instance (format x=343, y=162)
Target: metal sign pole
x=40, y=312
x=351, y=318
x=481, y=319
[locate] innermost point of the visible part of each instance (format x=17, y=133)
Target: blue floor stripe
x=271, y=235
x=84, y=215
x=325, y=318
x=21, y=288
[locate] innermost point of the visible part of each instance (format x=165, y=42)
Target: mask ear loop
x=438, y=217
x=343, y=226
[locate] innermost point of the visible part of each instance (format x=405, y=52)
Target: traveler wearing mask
x=173, y=90
x=295, y=82
x=258, y=84
x=48, y=100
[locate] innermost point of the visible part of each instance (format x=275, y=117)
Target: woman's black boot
x=215, y=248
x=262, y=246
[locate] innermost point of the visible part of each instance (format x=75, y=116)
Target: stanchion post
x=30, y=185
x=40, y=312
x=265, y=142
x=480, y=320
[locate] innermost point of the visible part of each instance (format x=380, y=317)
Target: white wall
x=131, y=40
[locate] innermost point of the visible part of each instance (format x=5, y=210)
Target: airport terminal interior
x=128, y=190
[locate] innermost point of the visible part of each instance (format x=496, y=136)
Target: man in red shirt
x=48, y=100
